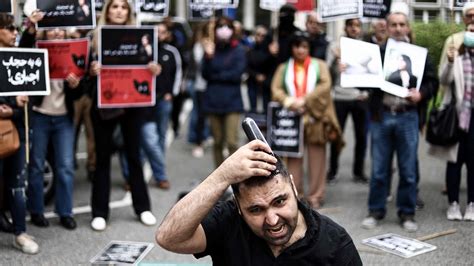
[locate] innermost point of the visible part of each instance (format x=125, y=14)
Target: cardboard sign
x=6, y=6
x=284, y=131
x=332, y=10
x=127, y=45
x=24, y=72
x=122, y=253
x=148, y=9
x=403, y=59
x=272, y=5
x=376, y=8
x=364, y=68
x=401, y=246
x=67, y=13
x=66, y=56
x=125, y=87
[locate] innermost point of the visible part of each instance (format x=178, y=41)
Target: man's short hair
x=467, y=6
x=256, y=181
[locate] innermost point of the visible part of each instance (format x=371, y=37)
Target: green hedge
x=433, y=35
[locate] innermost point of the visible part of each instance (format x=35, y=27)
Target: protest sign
x=458, y=4
x=272, y=5
x=403, y=59
x=127, y=45
x=331, y=10
x=152, y=9
x=6, y=6
x=302, y=5
x=284, y=131
x=197, y=12
x=66, y=56
x=376, y=8
x=122, y=253
x=364, y=68
x=24, y=72
x=125, y=87
x=216, y=4
x=67, y=13
x=99, y=4
x=401, y=246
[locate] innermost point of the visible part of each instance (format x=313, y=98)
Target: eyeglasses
x=10, y=27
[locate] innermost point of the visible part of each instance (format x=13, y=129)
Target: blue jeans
x=198, y=127
x=60, y=130
x=395, y=133
x=163, y=109
x=14, y=171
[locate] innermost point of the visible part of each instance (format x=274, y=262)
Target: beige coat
x=320, y=120
x=448, y=73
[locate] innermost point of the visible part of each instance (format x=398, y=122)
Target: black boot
x=5, y=225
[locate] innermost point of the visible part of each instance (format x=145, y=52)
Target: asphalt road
x=346, y=203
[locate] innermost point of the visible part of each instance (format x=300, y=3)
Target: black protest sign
x=216, y=4
x=24, y=72
x=198, y=12
x=99, y=4
x=127, y=45
x=6, y=6
x=284, y=131
x=67, y=13
x=159, y=8
x=376, y=8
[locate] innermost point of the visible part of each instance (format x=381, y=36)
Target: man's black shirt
x=231, y=242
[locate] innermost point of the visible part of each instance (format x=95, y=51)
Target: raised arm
x=181, y=230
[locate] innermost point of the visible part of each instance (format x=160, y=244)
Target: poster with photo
x=272, y=5
x=284, y=131
x=364, y=68
x=332, y=10
x=152, y=9
x=24, y=72
x=122, y=253
x=403, y=67
x=404, y=247
x=67, y=13
x=66, y=56
x=6, y=6
x=376, y=8
x=127, y=45
x=125, y=87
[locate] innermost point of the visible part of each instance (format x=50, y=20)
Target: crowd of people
x=300, y=69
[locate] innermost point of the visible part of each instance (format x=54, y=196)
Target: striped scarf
x=468, y=99
x=312, y=76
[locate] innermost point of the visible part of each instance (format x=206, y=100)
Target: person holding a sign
x=223, y=65
x=117, y=12
x=350, y=101
x=395, y=128
x=303, y=84
x=53, y=121
x=14, y=168
x=265, y=224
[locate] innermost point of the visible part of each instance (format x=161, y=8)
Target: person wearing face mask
x=458, y=70
x=223, y=65
x=52, y=118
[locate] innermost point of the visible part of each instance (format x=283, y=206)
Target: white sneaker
x=454, y=212
x=98, y=224
x=198, y=152
x=369, y=222
x=410, y=225
x=147, y=218
x=25, y=243
x=469, y=214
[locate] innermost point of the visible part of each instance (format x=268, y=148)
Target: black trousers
x=103, y=132
x=359, y=112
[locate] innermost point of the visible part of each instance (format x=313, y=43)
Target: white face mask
x=224, y=33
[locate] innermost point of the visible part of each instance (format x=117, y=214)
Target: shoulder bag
x=9, y=139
